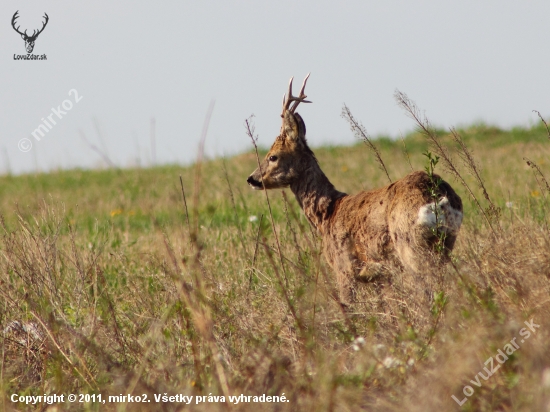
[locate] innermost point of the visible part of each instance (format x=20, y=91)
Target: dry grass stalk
x=538, y=175
x=470, y=164
x=185, y=206
x=360, y=132
x=543, y=122
x=405, y=152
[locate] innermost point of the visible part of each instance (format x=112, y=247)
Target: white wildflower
x=390, y=362
x=358, y=343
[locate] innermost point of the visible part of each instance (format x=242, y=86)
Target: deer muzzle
x=254, y=184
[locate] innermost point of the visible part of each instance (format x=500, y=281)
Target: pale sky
x=130, y=61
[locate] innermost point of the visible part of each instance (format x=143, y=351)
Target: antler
x=289, y=98
x=35, y=33
x=43, y=26
x=15, y=16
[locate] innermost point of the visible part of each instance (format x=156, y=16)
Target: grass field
x=108, y=287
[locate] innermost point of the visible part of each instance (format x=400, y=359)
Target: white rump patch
x=447, y=217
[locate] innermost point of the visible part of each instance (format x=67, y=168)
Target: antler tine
x=290, y=88
x=304, y=86
x=301, y=96
x=43, y=24
x=14, y=18
x=287, y=97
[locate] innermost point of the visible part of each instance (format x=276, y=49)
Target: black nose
x=253, y=182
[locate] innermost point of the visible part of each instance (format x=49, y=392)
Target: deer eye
x=272, y=158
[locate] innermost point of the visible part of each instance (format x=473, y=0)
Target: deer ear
x=294, y=127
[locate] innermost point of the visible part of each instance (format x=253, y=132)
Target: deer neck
x=316, y=195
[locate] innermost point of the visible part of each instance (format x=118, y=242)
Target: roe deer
x=363, y=234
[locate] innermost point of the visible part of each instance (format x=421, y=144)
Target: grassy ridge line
x=97, y=194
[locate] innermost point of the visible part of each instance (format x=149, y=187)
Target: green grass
x=129, y=298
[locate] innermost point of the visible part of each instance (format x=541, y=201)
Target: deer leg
x=346, y=287
x=345, y=279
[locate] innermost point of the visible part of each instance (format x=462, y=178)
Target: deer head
x=290, y=155
x=29, y=40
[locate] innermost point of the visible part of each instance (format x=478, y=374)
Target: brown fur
x=367, y=233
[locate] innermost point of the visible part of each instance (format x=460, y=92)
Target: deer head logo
x=29, y=40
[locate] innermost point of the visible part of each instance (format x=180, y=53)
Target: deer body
x=367, y=233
